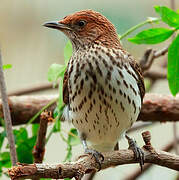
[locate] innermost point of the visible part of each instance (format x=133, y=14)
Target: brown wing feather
x=138, y=71
x=65, y=88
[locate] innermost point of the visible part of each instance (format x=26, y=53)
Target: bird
x=103, y=86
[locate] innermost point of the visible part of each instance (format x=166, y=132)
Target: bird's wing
x=135, y=66
x=65, y=88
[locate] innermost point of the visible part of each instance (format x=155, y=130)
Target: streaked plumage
x=103, y=85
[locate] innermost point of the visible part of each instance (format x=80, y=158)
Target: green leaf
x=24, y=153
x=7, y=66
x=20, y=135
x=55, y=71
x=152, y=36
x=147, y=83
x=31, y=142
x=73, y=138
x=67, y=52
x=24, y=150
x=173, y=66
x=25, y=144
x=2, y=123
x=69, y=153
x=168, y=15
x=2, y=136
x=56, y=112
x=5, y=159
x=35, y=129
x=57, y=126
x=60, y=99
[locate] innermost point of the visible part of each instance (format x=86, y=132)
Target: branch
x=146, y=167
x=139, y=125
x=7, y=115
x=34, y=88
x=161, y=108
x=156, y=107
x=160, y=73
x=39, y=148
x=149, y=56
x=23, y=108
x=86, y=164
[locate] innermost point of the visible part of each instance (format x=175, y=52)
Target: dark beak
x=57, y=25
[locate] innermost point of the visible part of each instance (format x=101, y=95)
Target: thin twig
x=87, y=164
x=7, y=115
x=149, y=57
x=175, y=137
x=32, y=89
x=172, y=4
x=140, y=125
x=159, y=73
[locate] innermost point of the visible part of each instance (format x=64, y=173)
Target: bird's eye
x=81, y=23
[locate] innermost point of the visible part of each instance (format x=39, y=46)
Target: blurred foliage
x=72, y=140
x=24, y=146
x=7, y=66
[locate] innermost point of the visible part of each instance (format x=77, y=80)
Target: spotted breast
x=104, y=97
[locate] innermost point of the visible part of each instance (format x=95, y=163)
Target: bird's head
x=87, y=27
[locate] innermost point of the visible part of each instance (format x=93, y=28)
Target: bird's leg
x=116, y=147
x=139, y=154
x=97, y=155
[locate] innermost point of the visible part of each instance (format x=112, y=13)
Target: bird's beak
x=57, y=25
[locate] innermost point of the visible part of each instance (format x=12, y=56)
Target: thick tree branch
x=156, y=108
x=23, y=108
x=7, y=115
x=86, y=164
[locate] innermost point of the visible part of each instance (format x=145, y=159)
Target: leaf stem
x=138, y=26
x=38, y=113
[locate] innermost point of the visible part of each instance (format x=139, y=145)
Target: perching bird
x=103, y=85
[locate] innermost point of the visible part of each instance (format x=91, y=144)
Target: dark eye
x=81, y=23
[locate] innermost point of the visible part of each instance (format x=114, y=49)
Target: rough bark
x=156, y=107
x=87, y=164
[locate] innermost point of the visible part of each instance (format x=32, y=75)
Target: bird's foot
x=138, y=153
x=99, y=158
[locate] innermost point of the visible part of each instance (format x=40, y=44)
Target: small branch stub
x=39, y=148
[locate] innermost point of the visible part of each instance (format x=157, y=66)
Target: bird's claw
x=138, y=152
x=99, y=158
